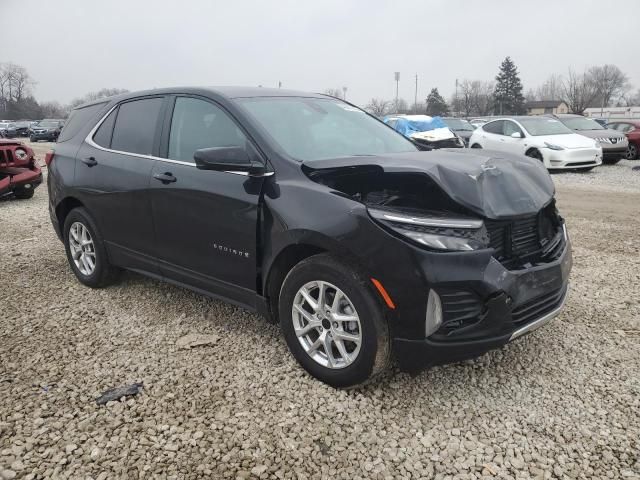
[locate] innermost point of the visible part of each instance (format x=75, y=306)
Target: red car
x=631, y=128
x=19, y=171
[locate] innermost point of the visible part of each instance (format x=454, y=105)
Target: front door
x=205, y=221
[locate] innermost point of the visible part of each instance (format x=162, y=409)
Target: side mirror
x=231, y=159
x=516, y=135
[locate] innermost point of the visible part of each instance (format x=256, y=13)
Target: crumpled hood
x=493, y=184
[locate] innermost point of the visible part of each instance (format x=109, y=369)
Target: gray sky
x=71, y=47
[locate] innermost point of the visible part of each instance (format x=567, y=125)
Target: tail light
x=48, y=158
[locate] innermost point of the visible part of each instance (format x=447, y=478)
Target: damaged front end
x=19, y=171
x=490, y=256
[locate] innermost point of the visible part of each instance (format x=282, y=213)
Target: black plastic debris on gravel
x=118, y=392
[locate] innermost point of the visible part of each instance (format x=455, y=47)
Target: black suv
x=48, y=130
x=310, y=211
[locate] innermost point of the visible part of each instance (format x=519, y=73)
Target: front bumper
x=614, y=153
x=16, y=178
x=44, y=135
x=573, y=158
x=510, y=305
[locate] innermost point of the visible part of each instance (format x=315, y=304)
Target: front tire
x=24, y=193
x=333, y=322
x=86, y=252
x=632, y=152
x=611, y=161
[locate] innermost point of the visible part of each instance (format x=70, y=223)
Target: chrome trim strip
x=428, y=222
x=542, y=320
x=89, y=140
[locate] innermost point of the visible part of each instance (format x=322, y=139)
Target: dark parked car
x=19, y=171
x=614, y=144
x=461, y=127
x=48, y=130
x=7, y=130
x=630, y=128
x=22, y=128
x=314, y=213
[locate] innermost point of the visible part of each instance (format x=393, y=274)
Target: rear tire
x=632, y=152
x=86, y=252
x=343, y=343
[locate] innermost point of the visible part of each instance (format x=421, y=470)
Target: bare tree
x=15, y=82
x=334, y=92
x=551, y=89
x=378, y=107
x=475, y=97
x=91, y=96
x=578, y=91
x=610, y=83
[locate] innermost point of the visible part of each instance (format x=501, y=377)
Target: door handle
x=89, y=161
x=165, y=177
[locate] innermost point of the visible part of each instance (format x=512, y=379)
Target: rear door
x=113, y=171
x=205, y=221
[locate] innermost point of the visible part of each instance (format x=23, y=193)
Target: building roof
x=543, y=104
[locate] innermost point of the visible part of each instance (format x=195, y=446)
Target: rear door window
x=78, y=119
x=135, y=126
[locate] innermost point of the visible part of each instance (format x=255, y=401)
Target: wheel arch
x=64, y=207
x=278, y=269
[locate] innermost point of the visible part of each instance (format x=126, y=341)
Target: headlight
x=21, y=154
x=436, y=231
x=553, y=146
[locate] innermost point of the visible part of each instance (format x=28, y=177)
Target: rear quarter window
x=78, y=119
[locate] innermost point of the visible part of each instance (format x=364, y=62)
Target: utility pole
x=279, y=84
x=415, y=98
x=457, y=106
x=344, y=93
x=397, y=77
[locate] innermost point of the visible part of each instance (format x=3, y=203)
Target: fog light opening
x=433, y=319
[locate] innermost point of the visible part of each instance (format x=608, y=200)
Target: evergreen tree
x=436, y=105
x=508, y=94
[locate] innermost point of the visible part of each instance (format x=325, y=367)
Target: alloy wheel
x=631, y=152
x=326, y=324
x=82, y=248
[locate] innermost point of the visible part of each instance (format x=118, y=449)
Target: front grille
x=459, y=308
x=537, y=307
x=527, y=241
x=6, y=156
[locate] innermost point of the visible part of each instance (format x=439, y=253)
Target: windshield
x=537, y=126
x=458, y=125
x=581, y=123
x=319, y=128
x=48, y=124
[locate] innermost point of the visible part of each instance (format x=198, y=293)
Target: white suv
x=544, y=138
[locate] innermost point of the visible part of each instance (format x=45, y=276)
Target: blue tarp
x=409, y=126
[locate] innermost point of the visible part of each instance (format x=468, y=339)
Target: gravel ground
x=563, y=402
x=621, y=177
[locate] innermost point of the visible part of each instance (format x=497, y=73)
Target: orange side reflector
x=383, y=292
